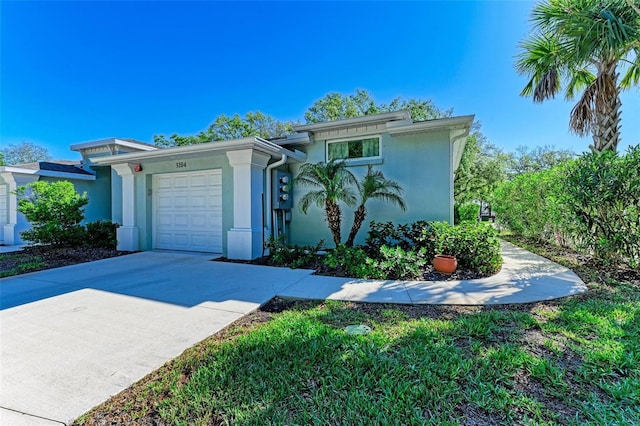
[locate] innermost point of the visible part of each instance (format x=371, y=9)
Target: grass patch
x=20, y=264
x=573, y=361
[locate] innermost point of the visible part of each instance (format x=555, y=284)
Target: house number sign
x=181, y=164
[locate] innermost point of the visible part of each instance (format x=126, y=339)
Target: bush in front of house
x=282, y=254
x=474, y=244
x=101, y=234
x=55, y=211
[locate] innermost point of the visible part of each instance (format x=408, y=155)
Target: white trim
x=113, y=141
x=357, y=121
x=47, y=173
x=259, y=144
x=462, y=122
x=359, y=160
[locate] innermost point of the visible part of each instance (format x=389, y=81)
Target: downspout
x=270, y=167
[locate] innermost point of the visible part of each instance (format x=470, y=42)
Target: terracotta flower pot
x=445, y=263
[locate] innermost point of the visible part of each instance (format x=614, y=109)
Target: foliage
x=584, y=45
x=395, y=263
x=602, y=192
x=466, y=212
x=530, y=205
x=350, y=262
x=101, y=234
x=282, y=254
x=374, y=186
x=526, y=160
x=482, y=168
x=226, y=127
x=475, y=245
x=416, y=236
x=55, y=211
x=335, y=106
x=330, y=184
x=592, y=203
x=25, y=152
x=1, y=159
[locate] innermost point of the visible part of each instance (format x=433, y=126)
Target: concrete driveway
x=71, y=337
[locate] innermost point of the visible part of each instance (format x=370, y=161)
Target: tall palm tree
x=584, y=44
x=331, y=183
x=374, y=186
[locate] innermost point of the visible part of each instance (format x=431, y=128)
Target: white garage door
x=188, y=211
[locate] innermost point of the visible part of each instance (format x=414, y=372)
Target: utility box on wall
x=281, y=191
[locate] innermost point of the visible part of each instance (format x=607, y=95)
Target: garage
x=188, y=211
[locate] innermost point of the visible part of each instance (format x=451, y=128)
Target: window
x=353, y=149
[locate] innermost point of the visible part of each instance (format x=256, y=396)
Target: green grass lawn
x=573, y=361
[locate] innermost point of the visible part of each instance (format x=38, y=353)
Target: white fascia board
x=351, y=122
x=47, y=173
x=451, y=123
x=112, y=141
x=63, y=175
x=203, y=148
x=301, y=138
x=19, y=170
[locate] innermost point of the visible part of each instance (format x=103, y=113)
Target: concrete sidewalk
x=71, y=337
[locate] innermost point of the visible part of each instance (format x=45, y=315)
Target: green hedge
x=591, y=203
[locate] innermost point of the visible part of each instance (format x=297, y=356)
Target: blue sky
x=73, y=72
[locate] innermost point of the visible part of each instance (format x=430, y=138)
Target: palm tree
x=584, y=44
x=374, y=186
x=331, y=183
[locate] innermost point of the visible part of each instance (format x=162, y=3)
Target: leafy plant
x=55, y=211
x=282, y=254
x=395, y=263
x=467, y=212
x=350, y=261
x=102, y=234
x=475, y=245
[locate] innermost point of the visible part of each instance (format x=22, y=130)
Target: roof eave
x=350, y=122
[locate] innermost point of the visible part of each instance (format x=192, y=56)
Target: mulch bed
x=54, y=257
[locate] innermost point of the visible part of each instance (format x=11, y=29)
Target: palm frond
x=632, y=75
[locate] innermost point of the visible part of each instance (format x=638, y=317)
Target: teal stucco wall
x=420, y=163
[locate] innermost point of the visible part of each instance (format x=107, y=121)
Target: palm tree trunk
x=333, y=213
x=606, y=132
x=358, y=219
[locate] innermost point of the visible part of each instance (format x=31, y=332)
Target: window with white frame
x=354, y=149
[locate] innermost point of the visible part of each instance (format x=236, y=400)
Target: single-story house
x=228, y=196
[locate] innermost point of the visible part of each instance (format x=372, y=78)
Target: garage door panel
x=188, y=211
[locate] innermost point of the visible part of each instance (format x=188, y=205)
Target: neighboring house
x=86, y=177
x=228, y=196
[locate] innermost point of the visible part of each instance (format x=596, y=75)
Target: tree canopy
x=585, y=46
x=25, y=152
x=226, y=127
x=335, y=106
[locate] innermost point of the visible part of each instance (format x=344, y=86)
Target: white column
x=128, y=232
x=244, y=240
x=12, y=211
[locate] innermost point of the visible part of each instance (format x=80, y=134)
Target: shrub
x=101, y=234
x=281, y=254
x=350, y=261
x=475, y=245
x=467, y=212
x=398, y=264
x=416, y=236
x=602, y=191
x=55, y=211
